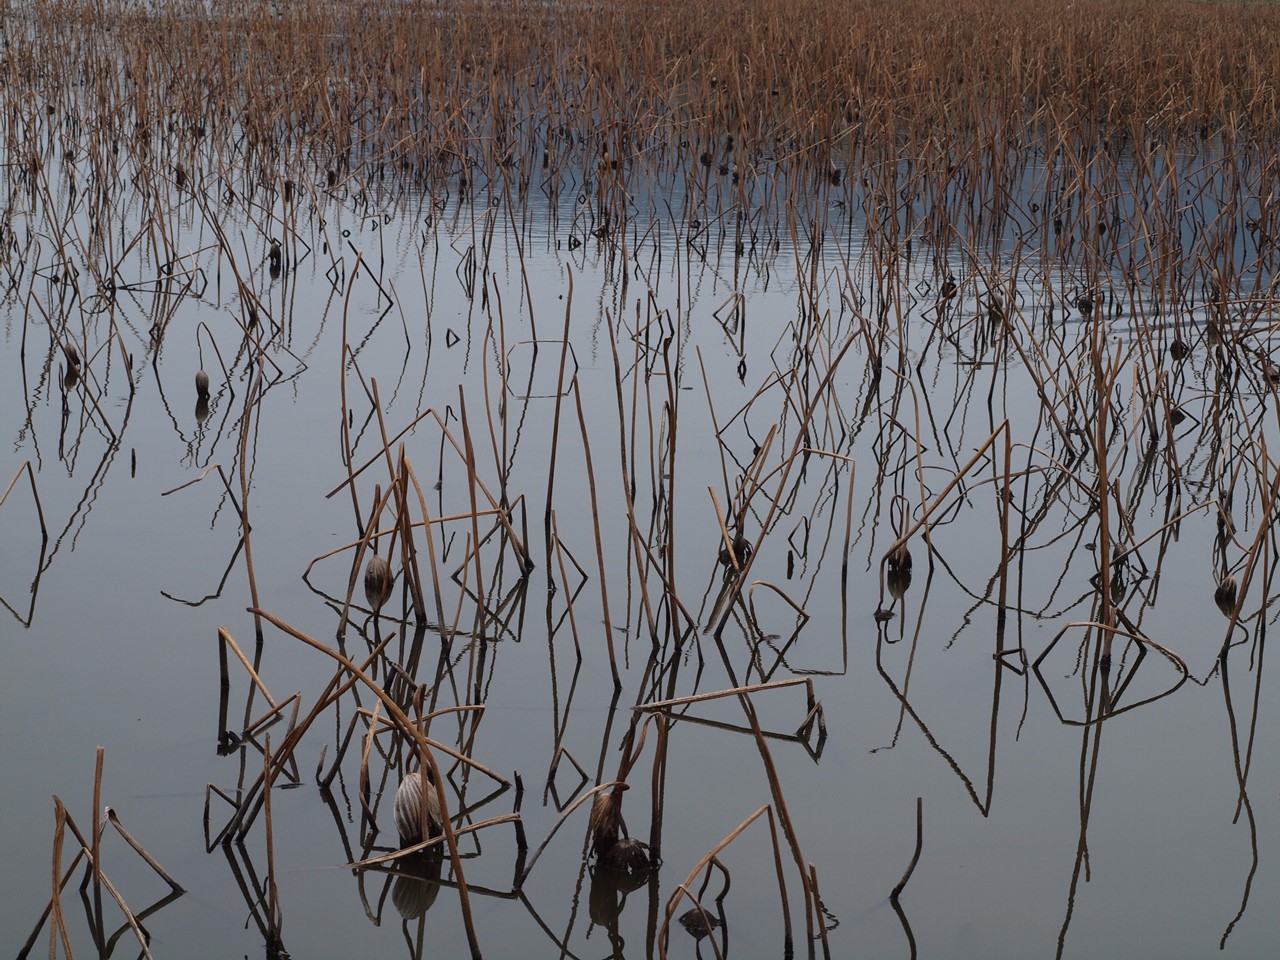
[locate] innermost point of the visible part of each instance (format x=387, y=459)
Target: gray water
x=1040, y=836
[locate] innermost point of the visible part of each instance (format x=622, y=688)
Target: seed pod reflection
x=898, y=579
x=418, y=884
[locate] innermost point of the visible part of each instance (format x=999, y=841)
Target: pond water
x=1087, y=760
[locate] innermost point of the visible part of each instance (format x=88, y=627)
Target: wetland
x=636, y=479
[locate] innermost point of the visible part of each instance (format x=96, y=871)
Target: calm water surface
x=1041, y=836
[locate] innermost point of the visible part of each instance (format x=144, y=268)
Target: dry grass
x=616, y=97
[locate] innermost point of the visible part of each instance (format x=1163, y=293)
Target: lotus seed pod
x=408, y=809
x=378, y=581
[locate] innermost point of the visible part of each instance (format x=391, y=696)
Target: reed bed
x=1022, y=375
x=923, y=114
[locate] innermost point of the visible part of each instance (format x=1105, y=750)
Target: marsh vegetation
x=639, y=478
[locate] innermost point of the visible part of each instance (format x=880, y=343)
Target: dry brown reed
x=96, y=878
x=773, y=105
